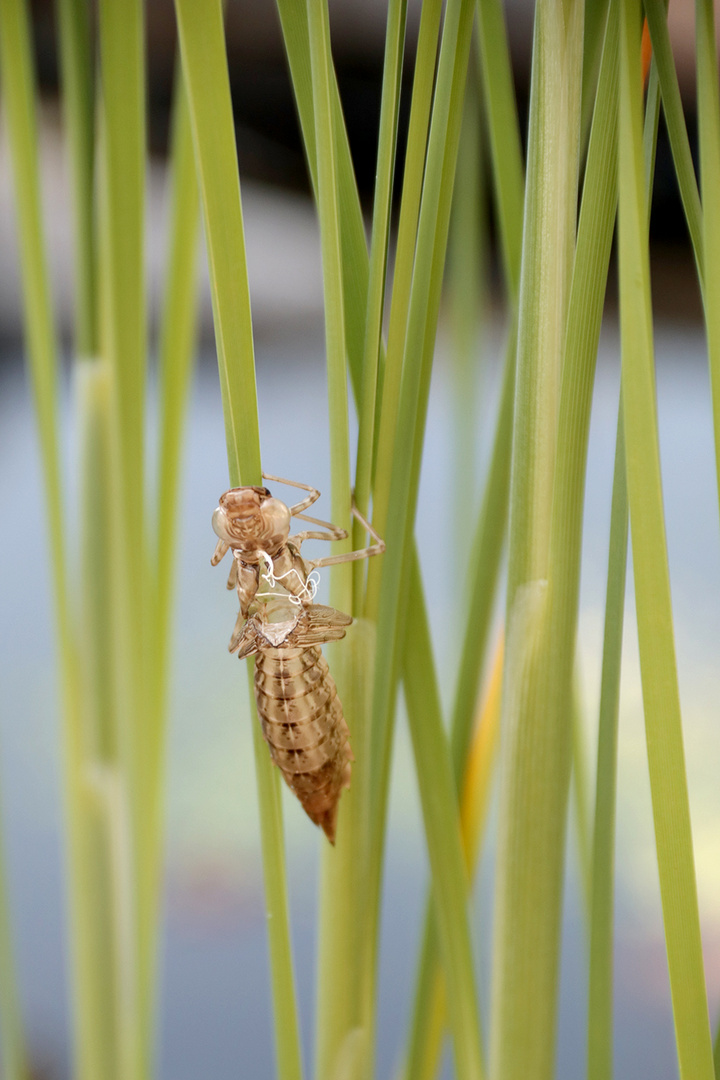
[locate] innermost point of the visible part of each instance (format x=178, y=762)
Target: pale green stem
x=387, y=147
x=75, y=39
x=438, y=795
x=656, y=11
x=18, y=86
x=708, y=100
x=389, y=396
x=14, y=1051
x=205, y=72
x=423, y=311
x=536, y=738
x=666, y=758
x=600, y=976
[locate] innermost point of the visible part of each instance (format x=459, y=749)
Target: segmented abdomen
x=303, y=724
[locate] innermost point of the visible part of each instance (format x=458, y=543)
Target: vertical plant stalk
x=204, y=59
x=485, y=558
x=75, y=40
x=123, y=343
x=14, y=1056
x=391, y=375
x=467, y=292
x=101, y=764
x=404, y=466
x=338, y=991
x=708, y=103
x=382, y=205
x=176, y=354
x=430, y=1013
x=296, y=36
x=536, y=743
x=580, y=801
x=202, y=44
x=330, y=239
x=340, y=949
x=489, y=537
x=439, y=800
x=600, y=979
x=666, y=759
x=18, y=96
x=14, y=1052
x=656, y=11
x=504, y=133
x=105, y=941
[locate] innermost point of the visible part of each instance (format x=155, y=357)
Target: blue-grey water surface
x=216, y=1017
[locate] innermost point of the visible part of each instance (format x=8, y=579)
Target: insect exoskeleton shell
x=249, y=519
x=303, y=724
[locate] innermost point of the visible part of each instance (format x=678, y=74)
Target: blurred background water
x=215, y=994
x=215, y=1000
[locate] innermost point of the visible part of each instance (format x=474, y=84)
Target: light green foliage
x=382, y=308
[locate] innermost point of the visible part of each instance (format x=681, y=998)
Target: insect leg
x=237, y=633
x=298, y=507
x=330, y=532
x=350, y=556
x=232, y=576
x=221, y=549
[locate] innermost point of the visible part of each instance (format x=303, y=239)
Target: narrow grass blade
x=391, y=376
x=14, y=1049
x=467, y=300
x=504, y=131
x=282, y=975
x=18, y=90
x=202, y=44
x=666, y=757
x=405, y=464
x=330, y=242
x=177, y=344
x=487, y=546
x=535, y=724
x=708, y=103
x=594, y=34
x=387, y=146
x=430, y=1009
x=338, y=992
x=341, y=1033
x=18, y=84
x=205, y=72
x=656, y=12
x=438, y=796
x=486, y=553
x=600, y=997
x=178, y=332
x=75, y=39
x=338, y=874
x=580, y=800
x=122, y=217
x=294, y=21
x=419, y=347
x=125, y=796
x=485, y=557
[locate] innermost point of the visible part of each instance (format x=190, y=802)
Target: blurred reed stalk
x=115, y=636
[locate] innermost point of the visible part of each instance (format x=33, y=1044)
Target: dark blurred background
x=269, y=146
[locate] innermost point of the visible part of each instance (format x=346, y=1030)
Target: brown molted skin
x=301, y=715
x=303, y=724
